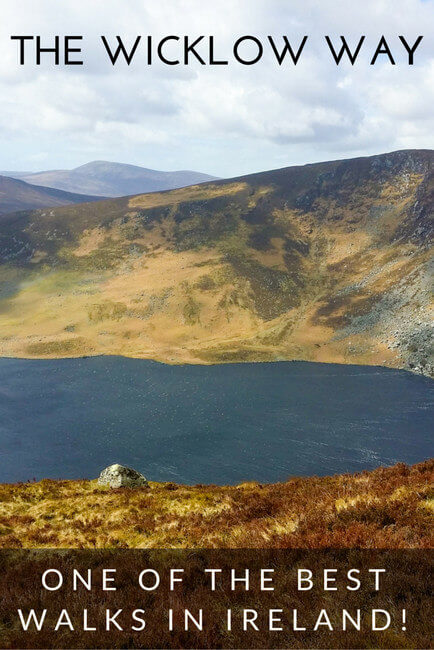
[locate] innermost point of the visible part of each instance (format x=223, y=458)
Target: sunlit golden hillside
x=326, y=262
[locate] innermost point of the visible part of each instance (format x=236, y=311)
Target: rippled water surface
x=70, y=418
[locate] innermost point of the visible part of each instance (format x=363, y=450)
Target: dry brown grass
x=386, y=508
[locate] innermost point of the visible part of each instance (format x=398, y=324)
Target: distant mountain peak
x=105, y=178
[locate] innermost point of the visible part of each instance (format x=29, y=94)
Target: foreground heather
x=386, y=508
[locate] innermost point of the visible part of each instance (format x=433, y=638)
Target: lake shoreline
x=165, y=362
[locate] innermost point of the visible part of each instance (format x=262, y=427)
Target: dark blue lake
x=211, y=424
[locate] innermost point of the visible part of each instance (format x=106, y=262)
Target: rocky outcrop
x=116, y=476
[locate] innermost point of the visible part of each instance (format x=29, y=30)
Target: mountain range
x=18, y=195
x=109, y=179
x=322, y=262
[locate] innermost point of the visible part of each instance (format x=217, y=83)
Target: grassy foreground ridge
x=385, y=508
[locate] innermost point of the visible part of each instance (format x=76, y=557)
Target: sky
x=222, y=120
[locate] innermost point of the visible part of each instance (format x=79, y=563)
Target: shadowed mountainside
x=324, y=262
x=18, y=195
x=102, y=178
x=386, y=508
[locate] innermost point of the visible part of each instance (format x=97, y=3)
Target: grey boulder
x=117, y=476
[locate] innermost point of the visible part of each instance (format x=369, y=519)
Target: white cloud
x=173, y=116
